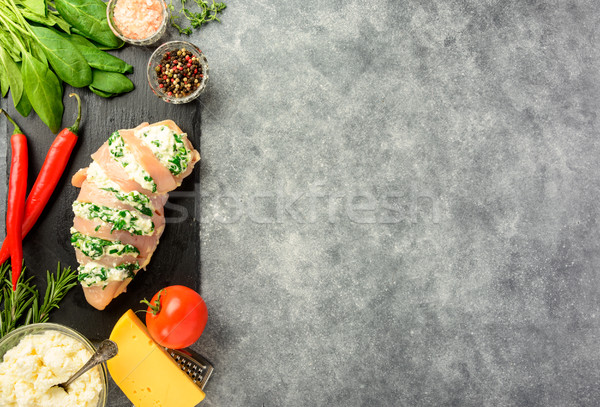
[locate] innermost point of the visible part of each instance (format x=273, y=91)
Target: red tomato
x=176, y=316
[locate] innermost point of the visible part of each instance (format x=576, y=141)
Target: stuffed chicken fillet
x=119, y=213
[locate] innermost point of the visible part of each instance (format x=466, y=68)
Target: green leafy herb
x=58, y=286
x=22, y=307
x=95, y=247
x=24, y=106
x=208, y=12
x=99, y=59
x=52, y=19
x=181, y=156
x=38, y=54
x=4, y=85
x=37, y=7
x=101, y=93
x=14, y=303
x=110, y=82
x=65, y=58
x=136, y=199
x=13, y=75
x=89, y=18
x=43, y=91
x=120, y=219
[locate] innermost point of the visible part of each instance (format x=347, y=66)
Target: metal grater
x=196, y=366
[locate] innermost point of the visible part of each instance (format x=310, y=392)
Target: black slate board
x=177, y=259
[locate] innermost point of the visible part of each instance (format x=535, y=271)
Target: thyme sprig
x=22, y=307
x=208, y=12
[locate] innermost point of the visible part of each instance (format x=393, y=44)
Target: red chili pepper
x=17, y=190
x=51, y=172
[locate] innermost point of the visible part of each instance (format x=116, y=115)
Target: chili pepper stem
x=17, y=129
x=75, y=127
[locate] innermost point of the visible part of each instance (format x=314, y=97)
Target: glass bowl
x=110, y=9
x=155, y=60
x=13, y=338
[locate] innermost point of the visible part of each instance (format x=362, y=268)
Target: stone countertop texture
x=399, y=204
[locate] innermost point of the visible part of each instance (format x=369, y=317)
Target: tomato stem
x=154, y=307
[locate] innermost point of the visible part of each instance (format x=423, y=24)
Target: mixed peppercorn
x=179, y=73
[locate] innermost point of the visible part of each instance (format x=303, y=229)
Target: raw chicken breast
x=119, y=212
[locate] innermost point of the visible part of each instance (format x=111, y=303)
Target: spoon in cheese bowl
x=107, y=350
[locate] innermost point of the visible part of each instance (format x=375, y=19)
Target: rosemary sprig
x=208, y=12
x=14, y=302
x=21, y=307
x=58, y=286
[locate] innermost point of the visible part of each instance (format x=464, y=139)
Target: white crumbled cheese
x=96, y=174
x=93, y=273
x=165, y=147
x=136, y=172
x=29, y=371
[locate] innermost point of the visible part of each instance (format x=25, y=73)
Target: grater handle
x=193, y=364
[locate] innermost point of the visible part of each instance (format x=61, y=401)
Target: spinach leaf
x=35, y=6
x=50, y=20
x=13, y=76
x=66, y=60
x=36, y=18
x=43, y=91
x=8, y=44
x=101, y=93
x=4, y=85
x=110, y=82
x=59, y=21
x=89, y=18
x=94, y=43
x=99, y=59
x=38, y=52
x=79, y=39
x=24, y=107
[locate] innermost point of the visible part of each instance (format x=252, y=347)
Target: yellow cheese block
x=145, y=372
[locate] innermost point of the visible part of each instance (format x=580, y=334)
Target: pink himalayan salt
x=138, y=19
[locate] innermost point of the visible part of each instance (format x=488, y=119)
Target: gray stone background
x=399, y=204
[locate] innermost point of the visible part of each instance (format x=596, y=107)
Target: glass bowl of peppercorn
x=177, y=72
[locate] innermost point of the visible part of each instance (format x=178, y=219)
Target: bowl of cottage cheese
x=35, y=358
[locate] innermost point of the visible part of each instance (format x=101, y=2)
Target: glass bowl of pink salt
x=138, y=22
